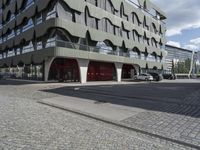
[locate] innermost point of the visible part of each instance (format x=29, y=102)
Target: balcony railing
x=95, y=49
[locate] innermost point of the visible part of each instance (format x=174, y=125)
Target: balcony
x=94, y=49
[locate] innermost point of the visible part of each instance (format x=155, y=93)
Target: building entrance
x=101, y=71
x=128, y=71
x=64, y=70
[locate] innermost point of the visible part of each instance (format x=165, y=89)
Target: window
x=28, y=48
x=28, y=25
x=51, y=42
x=39, y=45
x=103, y=48
x=1, y=26
x=4, y=38
x=27, y=4
x=4, y=54
x=1, y=40
x=11, y=35
x=134, y=54
x=152, y=57
x=39, y=18
x=18, y=31
x=143, y=57
x=11, y=53
x=12, y=17
x=18, y=51
x=52, y=13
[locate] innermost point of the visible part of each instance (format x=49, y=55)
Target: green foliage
x=182, y=67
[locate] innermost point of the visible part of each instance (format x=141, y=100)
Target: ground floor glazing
x=73, y=70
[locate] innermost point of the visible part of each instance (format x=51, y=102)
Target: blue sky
x=183, y=23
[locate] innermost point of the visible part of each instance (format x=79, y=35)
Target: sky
x=183, y=22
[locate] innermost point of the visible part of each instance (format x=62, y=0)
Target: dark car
x=169, y=76
x=156, y=76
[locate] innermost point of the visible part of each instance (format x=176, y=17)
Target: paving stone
x=25, y=124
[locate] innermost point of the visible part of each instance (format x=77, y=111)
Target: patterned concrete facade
x=117, y=31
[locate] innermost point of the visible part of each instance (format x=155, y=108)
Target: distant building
x=177, y=54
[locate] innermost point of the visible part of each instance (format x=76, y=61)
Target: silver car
x=144, y=77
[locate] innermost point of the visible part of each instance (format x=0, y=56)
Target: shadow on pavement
x=177, y=98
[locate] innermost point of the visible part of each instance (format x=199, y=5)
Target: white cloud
x=194, y=44
x=195, y=41
x=173, y=43
x=181, y=15
x=191, y=47
x=172, y=32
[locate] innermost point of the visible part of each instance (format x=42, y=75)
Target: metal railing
x=95, y=49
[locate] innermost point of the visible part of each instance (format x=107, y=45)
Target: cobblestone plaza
x=157, y=122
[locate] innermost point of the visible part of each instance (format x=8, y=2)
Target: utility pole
x=191, y=64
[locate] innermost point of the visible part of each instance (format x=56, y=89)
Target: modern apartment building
x=81, y=40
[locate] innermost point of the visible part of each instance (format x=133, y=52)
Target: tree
x=182, y=66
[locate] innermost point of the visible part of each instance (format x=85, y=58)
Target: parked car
x=169, y=76
x=156, y=76
x=144, y=77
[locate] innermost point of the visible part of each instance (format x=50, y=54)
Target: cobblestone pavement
x=182, y=127
x=26, y=124
x=172, y=110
